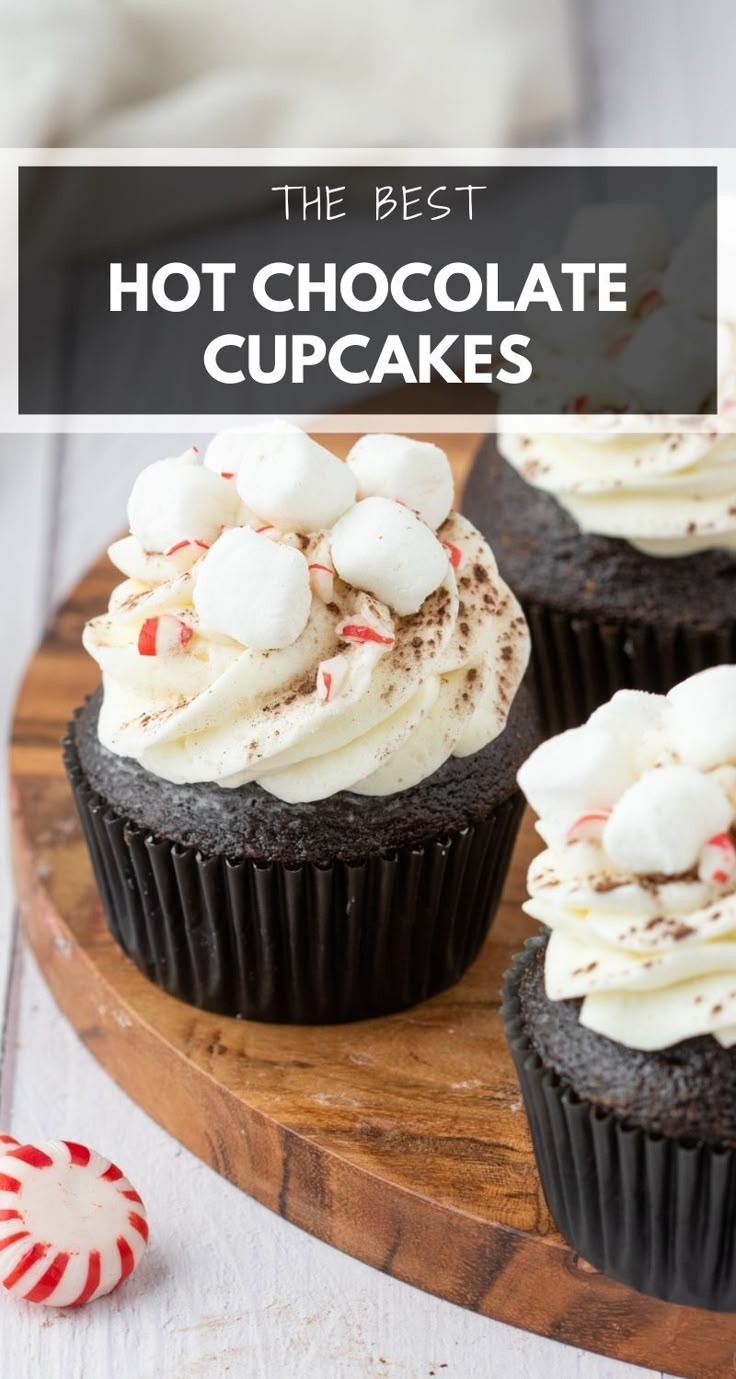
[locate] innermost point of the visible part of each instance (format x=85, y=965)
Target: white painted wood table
x=226, y=1287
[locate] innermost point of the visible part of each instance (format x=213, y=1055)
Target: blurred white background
x=392, y=72
x=178, y=72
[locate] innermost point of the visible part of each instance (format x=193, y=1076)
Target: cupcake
x=622, y=546
x=622, y=551
x=621, y=1015
x=298, y=778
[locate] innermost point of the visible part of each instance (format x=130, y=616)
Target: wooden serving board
x=400, y=1140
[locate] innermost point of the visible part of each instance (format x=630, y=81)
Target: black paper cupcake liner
x=653, y=1212
x=578, y=663
x=308, y=944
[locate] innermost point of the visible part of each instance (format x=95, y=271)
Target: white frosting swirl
x=648, y=780
x=666, y=494
x=361, y=699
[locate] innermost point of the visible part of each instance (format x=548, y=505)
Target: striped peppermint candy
x=71, y=1226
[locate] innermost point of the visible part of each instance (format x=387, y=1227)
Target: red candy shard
x=364, y=632
x=455, y=554
x=182, y=545
x=648, y=300
x=617, y=345
x=724, y=862
x=147, y=637
x=589, y=825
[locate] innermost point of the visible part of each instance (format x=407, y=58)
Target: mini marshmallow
x=416, y=473
x=288, y=479
x=702, y=721
x=662, y=822
x=382, y=547
x=253, y=590
x=178, y=500
x=228, y=449
x=630, y=232
x=637, y=722
x=690, y=279
x=669, y=355
x=581, y=770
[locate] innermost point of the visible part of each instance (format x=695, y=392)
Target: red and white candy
x=413, y=472
x=321, y=571
x=71, y=1226
x=366, y=626
x=331, y=676
x=718, y=860
x=382, y=546
x=588, y=827
x=455, y=553
x=164, y=635
x=287, y=477
x=185, y=554
x=178, y=501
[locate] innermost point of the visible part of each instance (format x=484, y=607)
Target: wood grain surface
x=401, y=1141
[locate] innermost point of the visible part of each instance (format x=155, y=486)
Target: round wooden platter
x=401, y=1140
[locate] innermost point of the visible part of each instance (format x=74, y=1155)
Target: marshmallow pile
x=633, y=362
x=271, y=518
x=650, y=780
x=637, y=885
x=306, y=624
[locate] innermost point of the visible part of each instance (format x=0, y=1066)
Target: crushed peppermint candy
x=718, y=859
x=352, y=631
x=588, y=826
x=322, y=580
x=164, y=634
x=455, y=554
x=330, y=678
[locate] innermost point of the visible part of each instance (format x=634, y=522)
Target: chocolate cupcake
x=297, y=782
x=617, y=534
x=621, y=1015
x=622, y=552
